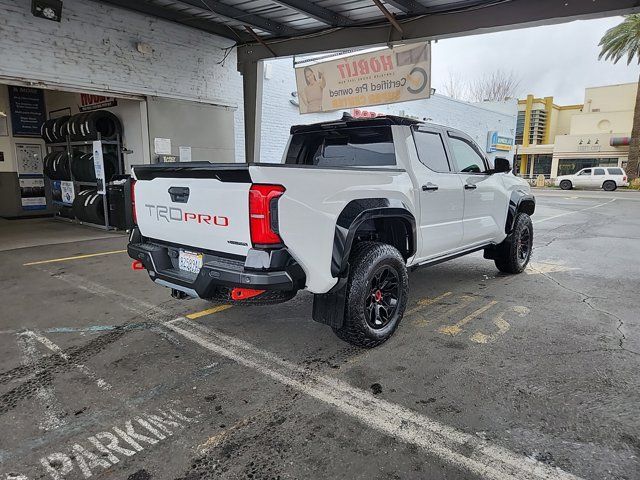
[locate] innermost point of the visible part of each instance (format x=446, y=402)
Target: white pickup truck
x=354, y=204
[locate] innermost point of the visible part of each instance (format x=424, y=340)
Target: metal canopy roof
x=278, y=28
x=269, y=28
x=289, y=18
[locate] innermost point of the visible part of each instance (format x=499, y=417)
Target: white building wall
x=94, y=48
x=278, y=114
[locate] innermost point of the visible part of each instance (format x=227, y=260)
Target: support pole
x=252, y=78
x=389, y=16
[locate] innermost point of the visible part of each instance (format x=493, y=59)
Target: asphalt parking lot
x=535, y=376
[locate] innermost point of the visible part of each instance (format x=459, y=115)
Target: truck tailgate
x=202, y=207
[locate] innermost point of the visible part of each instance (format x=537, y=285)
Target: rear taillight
x=133, y=202
x=263, y=214
x=624, y=179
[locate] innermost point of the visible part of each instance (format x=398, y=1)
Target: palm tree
x=621, y=41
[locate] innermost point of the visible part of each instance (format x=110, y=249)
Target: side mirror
x=501, y=165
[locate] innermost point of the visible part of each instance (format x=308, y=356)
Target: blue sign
x=492, y=141
x=497, y=142
x=27, y=111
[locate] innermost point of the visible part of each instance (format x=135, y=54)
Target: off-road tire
x=366, y=261
x=566, y=185
x=508, y=257
x=609, y=186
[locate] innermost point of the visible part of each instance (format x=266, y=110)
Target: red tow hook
x=244, y=293
x=137, y=265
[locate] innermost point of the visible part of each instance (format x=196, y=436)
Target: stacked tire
x=88, y=125
x=82, y=126
x=56, y=165
x=55, y=130
x=84, y=171
x=88, y=206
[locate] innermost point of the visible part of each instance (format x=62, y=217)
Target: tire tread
x=363, y=254
x=506, y=258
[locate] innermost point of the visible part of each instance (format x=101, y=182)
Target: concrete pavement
x=103, y=375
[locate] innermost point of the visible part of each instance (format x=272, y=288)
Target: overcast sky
x=557, y=60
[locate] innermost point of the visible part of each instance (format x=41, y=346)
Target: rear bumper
x=260, y=270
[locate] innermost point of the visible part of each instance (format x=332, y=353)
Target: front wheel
x=514, y=253
x=377, y=292
x=566, y=185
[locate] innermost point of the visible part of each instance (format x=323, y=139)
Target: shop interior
x=49, y=190
x=51, y=167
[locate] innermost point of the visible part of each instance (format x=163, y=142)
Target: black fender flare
x=354, y=214
x=328, y=308
x=520, y=201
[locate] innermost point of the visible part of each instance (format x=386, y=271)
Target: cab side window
x=586, y=171
x=467, y=158
x=431, y=152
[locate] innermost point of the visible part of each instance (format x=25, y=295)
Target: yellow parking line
x=465, y=300
x=208, y=311
x=457, y=328
x=77, y=257
x=498, y=321
x=425, y=302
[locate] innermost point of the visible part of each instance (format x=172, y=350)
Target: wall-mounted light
x=47, y=9
x=2, y=114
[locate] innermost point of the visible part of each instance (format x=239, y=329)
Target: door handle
x=469, y=186
x=179, y=194
x=429, y=187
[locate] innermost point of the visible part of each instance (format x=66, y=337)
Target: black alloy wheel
x=382, y=301
x=523, y=245
x=514, y=253
x=376, y=294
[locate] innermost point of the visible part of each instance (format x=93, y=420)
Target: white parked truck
x=353, y=205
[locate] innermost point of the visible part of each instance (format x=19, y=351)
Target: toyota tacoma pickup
x=352, y=206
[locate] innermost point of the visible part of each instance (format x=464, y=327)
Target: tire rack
x=76, y=183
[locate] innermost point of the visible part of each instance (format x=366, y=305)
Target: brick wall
x=278, y=114
x=94, y=47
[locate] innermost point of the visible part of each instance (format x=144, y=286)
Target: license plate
x=190, y=261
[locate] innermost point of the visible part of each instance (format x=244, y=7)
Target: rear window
x=349, y=147
x=598, y=171
x=615, y=171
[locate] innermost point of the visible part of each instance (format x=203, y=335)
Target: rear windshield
x=615, y=171
x=352, y=147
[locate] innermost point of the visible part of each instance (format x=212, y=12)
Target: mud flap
x=328, y=308
x=493, y=251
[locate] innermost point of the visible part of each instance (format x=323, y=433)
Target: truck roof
x=349, y=121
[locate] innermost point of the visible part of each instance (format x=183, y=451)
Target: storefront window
x=569, y=166
x=542, y=165
x=516, y=163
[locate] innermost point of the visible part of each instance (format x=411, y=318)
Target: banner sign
x=98, y=166
x=67, y=192
x=95, y=102
x=27, y=111
x=62, y=192
x=386, y=76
